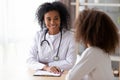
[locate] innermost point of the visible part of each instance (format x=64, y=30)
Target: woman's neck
x=88, y=45
x=53, y=32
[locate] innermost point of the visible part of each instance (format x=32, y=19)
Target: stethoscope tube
x=55, y=58
x=44, y=40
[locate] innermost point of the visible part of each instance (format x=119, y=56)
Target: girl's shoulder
x=94, y=51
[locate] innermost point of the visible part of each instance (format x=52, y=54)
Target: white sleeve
x=81, y=69
x=32, y=60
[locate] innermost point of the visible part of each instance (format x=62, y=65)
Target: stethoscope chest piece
x=55, y=58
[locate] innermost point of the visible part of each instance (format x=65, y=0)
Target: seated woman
x=100, y=35
x=54, y=45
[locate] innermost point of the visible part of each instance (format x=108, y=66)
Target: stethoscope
x=56, y=57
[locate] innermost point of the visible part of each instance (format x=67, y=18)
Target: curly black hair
x=56, y=6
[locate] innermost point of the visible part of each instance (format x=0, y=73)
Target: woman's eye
x=49, y=19
x=56, y=18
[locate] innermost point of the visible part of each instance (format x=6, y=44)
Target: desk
x=23, y=73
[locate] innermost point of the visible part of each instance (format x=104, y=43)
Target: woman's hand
x=53, y=69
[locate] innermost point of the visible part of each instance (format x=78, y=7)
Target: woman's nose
x=52, y=21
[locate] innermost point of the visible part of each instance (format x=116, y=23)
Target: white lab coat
x=41, y=55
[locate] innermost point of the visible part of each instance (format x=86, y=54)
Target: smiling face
x=52, y=22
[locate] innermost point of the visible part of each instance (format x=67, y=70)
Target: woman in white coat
x=54, y=45
x=100, y=35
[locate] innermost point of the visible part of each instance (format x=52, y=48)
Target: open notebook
x=46, y=73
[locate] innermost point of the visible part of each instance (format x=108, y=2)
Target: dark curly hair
x=97, y=28
x=56, y=6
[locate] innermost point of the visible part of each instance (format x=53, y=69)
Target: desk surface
x=23, y=73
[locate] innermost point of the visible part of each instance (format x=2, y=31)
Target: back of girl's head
x=96, y=28
x=55, y=6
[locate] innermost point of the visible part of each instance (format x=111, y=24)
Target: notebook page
x=46, y=73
